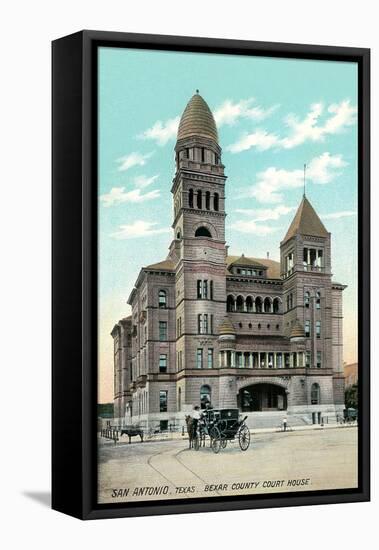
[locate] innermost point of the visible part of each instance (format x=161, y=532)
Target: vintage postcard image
x=227, y=298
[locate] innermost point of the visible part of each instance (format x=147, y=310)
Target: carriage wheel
x=244, y=438
x=215, y=440
x=196, y=443
x=223, y=443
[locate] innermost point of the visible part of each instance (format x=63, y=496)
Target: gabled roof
x=250, y=262
x=197, y=120
x=166, y=265
x=306, y=222
x=273, y=267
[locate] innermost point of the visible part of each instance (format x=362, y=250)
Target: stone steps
x=274, y=419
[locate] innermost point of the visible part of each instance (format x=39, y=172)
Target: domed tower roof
x=197, y=120
x=297, y=331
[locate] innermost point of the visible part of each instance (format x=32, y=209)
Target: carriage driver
x=196, y=415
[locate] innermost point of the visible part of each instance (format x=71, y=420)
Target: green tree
x=351, y=397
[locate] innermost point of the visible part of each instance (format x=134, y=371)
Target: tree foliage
x=351, y=397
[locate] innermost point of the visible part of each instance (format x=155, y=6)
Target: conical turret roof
x=197, y=120
x=306, y=222
x=226, y=327
x=297, y=331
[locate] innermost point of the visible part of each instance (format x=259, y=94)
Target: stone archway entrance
x=262, y=397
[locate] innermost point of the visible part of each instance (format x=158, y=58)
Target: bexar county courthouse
x=236, y=331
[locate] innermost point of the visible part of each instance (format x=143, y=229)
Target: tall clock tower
x=198, y=248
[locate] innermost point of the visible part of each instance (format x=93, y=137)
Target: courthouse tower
x=312, y=298
x=199, y=246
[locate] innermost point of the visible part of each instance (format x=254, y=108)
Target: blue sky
x=273, y=115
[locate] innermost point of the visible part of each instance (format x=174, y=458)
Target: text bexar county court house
x=235, y=331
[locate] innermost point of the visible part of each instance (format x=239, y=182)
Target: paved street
x=295, y=461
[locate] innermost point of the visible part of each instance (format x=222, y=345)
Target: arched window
x=267, y=305
x=230, y=303
x=249, y=304
x=258, y=305
x=276, y=305
x=199, y=199
x=207, y=200
x=239, y=303
x=205, y=395
x=178, y=235
x=315, y=394
x=202, y=232
x=179, y=399
x=306, y=299
x=162, y=299
x=216, y=202
x=190, y=198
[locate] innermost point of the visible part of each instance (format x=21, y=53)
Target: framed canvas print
x=210, y=274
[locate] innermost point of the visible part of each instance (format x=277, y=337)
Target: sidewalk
x=171, y=436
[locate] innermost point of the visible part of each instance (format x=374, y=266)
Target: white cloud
x=324, y=169
x=341, y=115
x=260, y=139
x=133, y=159
x=313, y=127
x=252, y=227
x=338, y=215
x=117, y=195
x=139, y=228
x=272, y=181
x=144, y=181
x=162, y=132
x=266, y=214
x=229, y=112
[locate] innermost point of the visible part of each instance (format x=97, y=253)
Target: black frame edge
x=67, y=100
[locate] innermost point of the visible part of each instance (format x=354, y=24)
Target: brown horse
x=191, y=434
x=190, y=430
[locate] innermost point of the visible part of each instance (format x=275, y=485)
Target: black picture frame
x=74, y=272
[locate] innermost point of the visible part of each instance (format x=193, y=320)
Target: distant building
x=351, y=374
x=236, y=331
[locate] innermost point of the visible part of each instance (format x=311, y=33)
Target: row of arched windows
x=253, y=305
x=203, y=197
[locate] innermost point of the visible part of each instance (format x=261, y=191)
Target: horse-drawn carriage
x=221, y=426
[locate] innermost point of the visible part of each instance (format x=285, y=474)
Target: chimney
x=268, y=255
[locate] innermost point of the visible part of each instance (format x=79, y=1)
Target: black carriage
x=221, y=426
